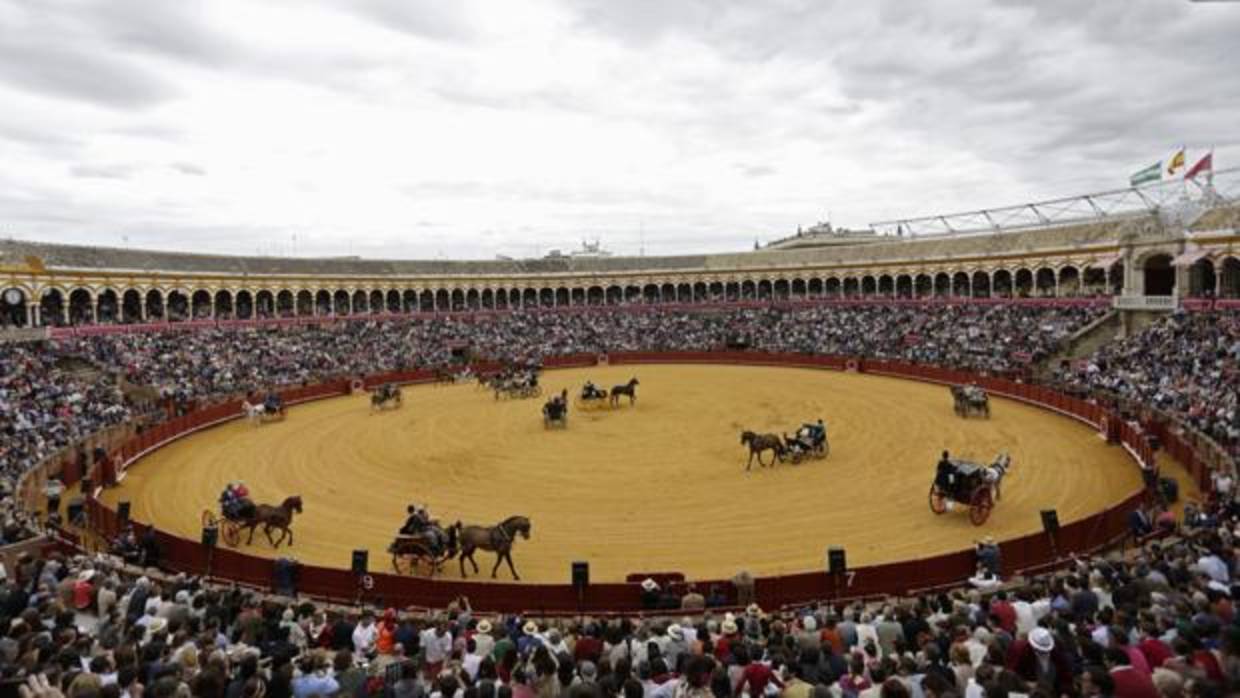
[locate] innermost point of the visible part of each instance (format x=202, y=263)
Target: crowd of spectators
x=1160, y=622
x=1187, y=364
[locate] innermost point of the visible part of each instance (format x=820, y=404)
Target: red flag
x=1205, y=164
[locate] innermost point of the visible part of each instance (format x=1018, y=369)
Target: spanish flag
x=1176, y=162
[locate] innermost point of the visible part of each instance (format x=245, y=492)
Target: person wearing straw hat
x=529, y=640
x=482, y=637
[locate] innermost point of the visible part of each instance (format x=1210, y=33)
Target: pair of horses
x=462, y=541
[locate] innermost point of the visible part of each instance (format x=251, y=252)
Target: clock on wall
x=13, y=296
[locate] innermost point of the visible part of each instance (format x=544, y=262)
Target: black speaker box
x=1050, y=521
x=122, y=512
x=210, y=536
x=836, y=562
x=581, y=575
x=361, y=559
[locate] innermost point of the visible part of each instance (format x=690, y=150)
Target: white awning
x=1106, y=262
x=1188, y=258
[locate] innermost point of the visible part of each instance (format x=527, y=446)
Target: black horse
x=629, y=389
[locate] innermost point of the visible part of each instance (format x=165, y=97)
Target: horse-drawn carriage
x=238, y=513
x=518, y=386
x=970, y=399
x=970, y=484
x=555, y=411
x=270, y=409
x=386, y=395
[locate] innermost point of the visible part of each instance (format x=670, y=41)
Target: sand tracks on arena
x=657, y=487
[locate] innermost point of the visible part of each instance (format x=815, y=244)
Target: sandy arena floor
x=657, y=487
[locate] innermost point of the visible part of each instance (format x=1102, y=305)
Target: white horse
x=995, y=472
x=253, y=412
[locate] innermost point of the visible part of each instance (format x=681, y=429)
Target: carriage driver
x=589, y=391
x=811, y=433
x=272, y=403
x=945, y=476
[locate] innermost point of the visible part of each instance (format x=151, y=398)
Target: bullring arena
x=307, y=389
x=660, y=486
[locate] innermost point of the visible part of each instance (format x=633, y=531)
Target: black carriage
x=386, y=395
x=591, y=398
x=813, y=445
x=518, y=387
x=555, y=416
x=964, y=483
x=409, y=552
x=969, y=400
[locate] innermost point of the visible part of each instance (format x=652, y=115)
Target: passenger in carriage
x=589, y=391
x=416, y=522
x=273, y=404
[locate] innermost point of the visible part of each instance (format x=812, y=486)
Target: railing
x=23, y=334
x=1101, y=529
x=1156, y=303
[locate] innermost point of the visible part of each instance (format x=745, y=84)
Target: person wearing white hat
x=676, y=644
x=1035, y=660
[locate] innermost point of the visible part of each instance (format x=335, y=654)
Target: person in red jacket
x=1035, y=660
x=1130, y=682
x=1004, y=611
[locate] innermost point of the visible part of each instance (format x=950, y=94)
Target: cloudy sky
x=404, y=128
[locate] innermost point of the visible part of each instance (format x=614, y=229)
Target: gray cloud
x=103, y=171
x=696, y=124
x=189, y=168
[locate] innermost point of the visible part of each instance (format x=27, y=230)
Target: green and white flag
x=1153, y=173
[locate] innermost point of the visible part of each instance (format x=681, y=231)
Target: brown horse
x=758, y=443
x=270, y=517
x=498, y=539
x=626, y=389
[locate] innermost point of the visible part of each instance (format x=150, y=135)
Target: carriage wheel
x=823, y=450
x=403, y=564
x=938, y=503
x=232, y=533
x=980, y=505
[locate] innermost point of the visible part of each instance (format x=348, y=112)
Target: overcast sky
x=403, y=128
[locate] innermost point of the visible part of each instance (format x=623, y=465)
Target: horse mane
x=512, y=520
